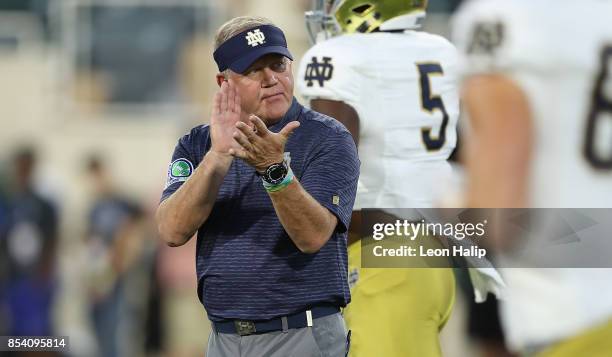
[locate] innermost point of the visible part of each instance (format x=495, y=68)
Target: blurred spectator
x=28, y=239
x=115, y=233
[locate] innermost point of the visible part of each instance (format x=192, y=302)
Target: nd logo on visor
x=255, y=38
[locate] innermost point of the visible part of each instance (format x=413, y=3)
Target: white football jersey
x=556, y=52
x=560, y=54
x=403, y=86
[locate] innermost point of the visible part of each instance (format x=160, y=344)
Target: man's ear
x=220, y=79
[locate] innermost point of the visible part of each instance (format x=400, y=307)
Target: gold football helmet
x=332, y=17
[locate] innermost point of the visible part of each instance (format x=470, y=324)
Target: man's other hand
x=260, y=147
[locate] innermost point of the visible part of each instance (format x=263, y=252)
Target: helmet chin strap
x=405, y=22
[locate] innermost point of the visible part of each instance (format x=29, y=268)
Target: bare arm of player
x=499, y=149
x=342, y=112
x=308, y=223
x=182, y=214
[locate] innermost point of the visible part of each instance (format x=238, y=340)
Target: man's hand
x=183, y=213
x=225, y=114
x=260, y=148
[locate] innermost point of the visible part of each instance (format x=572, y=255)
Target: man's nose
x=269, y=77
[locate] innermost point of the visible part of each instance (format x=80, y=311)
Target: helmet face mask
x=332, y=17
x=320, y=22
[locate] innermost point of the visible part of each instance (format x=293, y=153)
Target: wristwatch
x=275, y=173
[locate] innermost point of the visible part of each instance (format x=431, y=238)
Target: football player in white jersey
x=538, y=92
x=395, y=89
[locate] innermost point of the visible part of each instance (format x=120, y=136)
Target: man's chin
x=274, y=113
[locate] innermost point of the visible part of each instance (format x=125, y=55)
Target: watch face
x=275, y=174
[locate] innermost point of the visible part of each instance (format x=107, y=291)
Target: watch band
x=277, y=187
x=275, y=173
x=277, y=176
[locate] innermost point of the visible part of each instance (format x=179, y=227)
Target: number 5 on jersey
x=601, y=111
x=430, y=103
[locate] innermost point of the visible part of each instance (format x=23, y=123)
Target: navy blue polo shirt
x=247, y=266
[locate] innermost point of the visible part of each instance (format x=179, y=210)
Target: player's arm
x=499, y=149
x=342, y=112
x=330, y=95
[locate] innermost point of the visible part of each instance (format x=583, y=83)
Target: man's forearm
x=181, y=214
x=308, y=223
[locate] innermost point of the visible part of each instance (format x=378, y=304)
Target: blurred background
x=94, y=94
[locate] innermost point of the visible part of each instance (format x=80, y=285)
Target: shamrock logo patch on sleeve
x=179, y=171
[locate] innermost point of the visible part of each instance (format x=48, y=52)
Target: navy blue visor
x=240, y=51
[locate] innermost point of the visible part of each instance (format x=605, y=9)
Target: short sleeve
x=180, y=168
x=331, y=175
x=494, y=36
x=327, y=72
